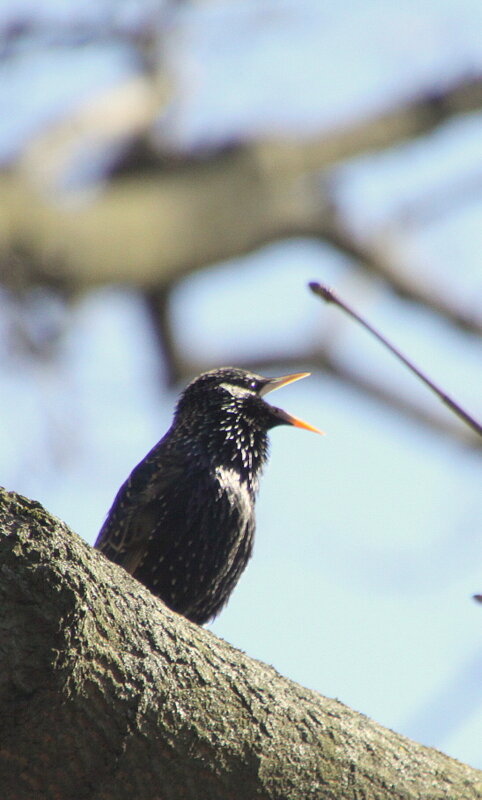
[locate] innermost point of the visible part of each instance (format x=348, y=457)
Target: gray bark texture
x=106, y=694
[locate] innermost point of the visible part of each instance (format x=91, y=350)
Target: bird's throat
x=243, y=449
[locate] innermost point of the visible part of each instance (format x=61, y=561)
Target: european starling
x=183, y=522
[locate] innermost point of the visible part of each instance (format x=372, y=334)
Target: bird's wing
x=138, y=508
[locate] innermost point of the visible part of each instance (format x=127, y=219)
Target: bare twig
x=330, y=297
x=405, y=285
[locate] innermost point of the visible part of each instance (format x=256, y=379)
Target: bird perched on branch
x=183, y=522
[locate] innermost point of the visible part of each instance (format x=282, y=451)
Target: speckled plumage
x=183, y=522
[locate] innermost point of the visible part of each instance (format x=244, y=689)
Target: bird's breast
x=236, y=491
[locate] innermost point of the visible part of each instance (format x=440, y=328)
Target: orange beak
x=276, y=383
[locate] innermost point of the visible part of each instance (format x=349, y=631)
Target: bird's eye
x=253, y=384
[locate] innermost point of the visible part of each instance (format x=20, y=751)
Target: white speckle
x=230, y=483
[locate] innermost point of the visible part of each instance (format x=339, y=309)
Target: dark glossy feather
x=183, y=522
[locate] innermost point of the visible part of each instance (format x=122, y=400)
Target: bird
x=183, y=522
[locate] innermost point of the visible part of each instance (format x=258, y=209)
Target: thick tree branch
x=149, y=227
x=106, y=694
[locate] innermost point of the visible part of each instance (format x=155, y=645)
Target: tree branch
x=107, y=694
x=381, y=259
x=146, y=228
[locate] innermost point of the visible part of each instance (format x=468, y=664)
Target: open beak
x=272, y=384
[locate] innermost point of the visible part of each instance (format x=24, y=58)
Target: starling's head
x=229, y=397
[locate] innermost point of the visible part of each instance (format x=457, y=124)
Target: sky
x=368, y=544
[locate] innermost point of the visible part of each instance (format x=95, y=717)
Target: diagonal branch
x=330, y=296
x=106, y=694
x=376, y=258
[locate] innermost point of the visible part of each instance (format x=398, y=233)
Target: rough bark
x=104, y=693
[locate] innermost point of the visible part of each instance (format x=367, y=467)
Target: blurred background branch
x=95, y=197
